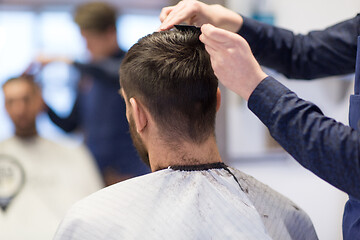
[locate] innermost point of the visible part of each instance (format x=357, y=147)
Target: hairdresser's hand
x=232, y=60
x=197, y=13
x=45, y=60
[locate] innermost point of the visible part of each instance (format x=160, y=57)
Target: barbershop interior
x=37, y=39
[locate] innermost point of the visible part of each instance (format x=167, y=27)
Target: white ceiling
x=121, y=4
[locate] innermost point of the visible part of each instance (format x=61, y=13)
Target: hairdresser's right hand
x=232, y=60
x=197, y=13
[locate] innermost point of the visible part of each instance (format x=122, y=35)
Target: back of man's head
x=95, y=16
x=171, y=74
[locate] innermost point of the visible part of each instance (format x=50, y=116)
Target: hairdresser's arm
x=69, y=123
x=329, y=149
x=106, y=70
x=197, y=13
x=328, y=52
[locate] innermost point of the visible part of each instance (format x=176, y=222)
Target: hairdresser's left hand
x=198, y=13
x=45, y=59
x=232, y=60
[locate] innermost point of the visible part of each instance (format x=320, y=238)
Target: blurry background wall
x=321, y=201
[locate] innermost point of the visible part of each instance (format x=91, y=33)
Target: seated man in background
x=172, y=96
x=99, y=111
x=44, y=178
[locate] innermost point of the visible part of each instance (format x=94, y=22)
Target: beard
x=138, y=143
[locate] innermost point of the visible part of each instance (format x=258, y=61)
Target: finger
x=211, y=42
x=219, y=35
x=181, y=13
x=210, y=50
x=165, y=12
x=170, y=15
x=214, y=59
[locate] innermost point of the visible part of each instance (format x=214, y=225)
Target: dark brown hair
x=95, y=16
x=170, y=72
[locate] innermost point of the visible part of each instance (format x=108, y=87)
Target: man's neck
x=183, y=153
x=26, y=134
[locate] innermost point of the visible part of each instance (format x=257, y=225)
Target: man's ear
x=218, y=99
x=139, y=115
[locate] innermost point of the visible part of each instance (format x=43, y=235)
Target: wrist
x=225, y=18
x=232, y=23
x=253, y=83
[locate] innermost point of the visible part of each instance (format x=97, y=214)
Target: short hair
x=25, y=78
x=95, y=16
x=171, y=73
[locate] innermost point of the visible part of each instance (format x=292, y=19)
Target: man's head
x=167, y=76
x=23, y=102
x=97, y=22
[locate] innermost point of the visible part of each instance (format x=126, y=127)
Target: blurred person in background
x=39, y=179
x=98, y=110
